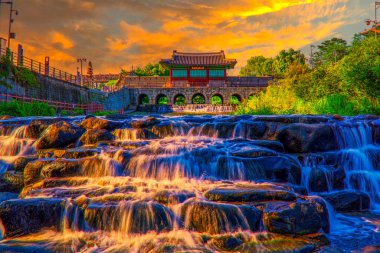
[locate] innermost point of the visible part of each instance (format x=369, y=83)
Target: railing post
x=54, y=72
x=31, y=64
x=39, y=68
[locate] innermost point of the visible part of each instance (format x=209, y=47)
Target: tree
x=360, y=69
x=285, y=59
x=152, y=70
x=330, y=51
x=257, y=66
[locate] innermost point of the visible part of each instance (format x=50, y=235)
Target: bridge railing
x=39, y=67
x=89, y=108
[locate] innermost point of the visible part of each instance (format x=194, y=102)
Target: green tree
x=152, y=70
x=330, y=51
x=360, y=69
x=257, y=66
x=285, y=59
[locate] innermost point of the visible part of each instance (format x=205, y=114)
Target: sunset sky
x=121, y=33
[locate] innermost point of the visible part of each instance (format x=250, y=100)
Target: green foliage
x=5, y=69
x=24, y=76
x=152, y=70
x=198, y=99
x=278, y=66
x=145, y=100
x=105, y=113
x=360, y=69
x=111, y=83
x=257, y=66
x=163, y=100
x=285, y=59
x=345, y=81
x=234, y=100
x=180, y=100
x=216, y=100
x=330, y=51
x=19, y=109
x=21, y=75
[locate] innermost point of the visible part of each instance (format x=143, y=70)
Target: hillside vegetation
x=339, y=79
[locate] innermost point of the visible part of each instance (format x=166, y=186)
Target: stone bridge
x=134, y=96
x=224, y=93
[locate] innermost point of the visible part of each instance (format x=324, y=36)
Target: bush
x=105, y=113
x=24, y=76
x=20, y=109
x=75, y=112
x=346, y=86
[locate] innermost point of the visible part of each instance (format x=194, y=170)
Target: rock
x=167, y=197
x=99, y=123
x=59, y=135
x=304, y=138
x=61, y=168
x=348, y=200
x=299, y=218
x=36, y=127
x=32, y=171
x=226, y=242
x=75, y=153
x=11, y=182
x=217, y=218
x=251, y=193
x=273, y=145
x=20, y=163
x=326, y=178
x=273, y=168
x=163, y=129
x=224, y=129
x=145, y=122
x=129, y=217
x=93, y=136
x=24, y=216
x=250, y=151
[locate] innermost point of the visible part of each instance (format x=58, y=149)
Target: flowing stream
x=190, y=183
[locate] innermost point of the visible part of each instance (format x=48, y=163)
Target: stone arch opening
x=179, y=99
x=198, y=98
x=162, y=99
x=217, y=99
x=143, y=99
x=235, y=99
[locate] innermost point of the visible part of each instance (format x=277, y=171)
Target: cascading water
x=188, y=184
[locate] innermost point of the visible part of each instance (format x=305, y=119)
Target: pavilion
x=198, y=69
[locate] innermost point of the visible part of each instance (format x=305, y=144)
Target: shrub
x=24, y=76
x=105, y=113
x=20, y=109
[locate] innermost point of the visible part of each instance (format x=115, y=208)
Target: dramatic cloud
x=114, y=34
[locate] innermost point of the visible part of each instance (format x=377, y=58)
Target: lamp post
x=311, y=62
x=10, y=34
x=81, y=60
x=375, y=23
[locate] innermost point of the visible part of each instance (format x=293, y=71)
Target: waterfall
x=16, y=144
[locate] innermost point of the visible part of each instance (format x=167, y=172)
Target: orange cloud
x=59, y=38
x=125, y=33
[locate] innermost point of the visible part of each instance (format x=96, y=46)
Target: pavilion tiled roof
x=199, y=59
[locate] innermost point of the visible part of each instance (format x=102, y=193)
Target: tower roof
x=199, y=59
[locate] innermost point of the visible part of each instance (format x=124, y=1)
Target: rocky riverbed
x=190, y=184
